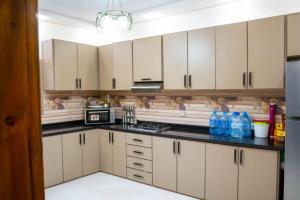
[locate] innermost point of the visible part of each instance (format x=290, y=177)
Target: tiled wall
x=181, y=110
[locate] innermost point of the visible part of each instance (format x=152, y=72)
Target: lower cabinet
x=241, y=173
x=113, y=152
x=179, y=165
x=53, y=161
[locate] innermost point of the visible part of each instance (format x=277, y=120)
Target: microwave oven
x=93, y=116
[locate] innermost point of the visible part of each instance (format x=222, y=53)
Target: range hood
x=147, y=86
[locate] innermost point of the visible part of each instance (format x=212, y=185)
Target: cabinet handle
x=184, y=81
x=244, y=79
x=235, y=156
x=80, y=83
x=241, y=157
x=138, y=152
x=174, y=147
x=190, y=81
x=80, y=141
x=250, y=79
x=84, y=138
x=137, y=140
x=109, y=137
x=114, y=83
x=76, y=83
x=178, y=148
x=112, y=137
x=146, y=79
x=138, y=164
x=138, y=176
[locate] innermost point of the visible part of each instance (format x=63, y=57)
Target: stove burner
x=150, y=127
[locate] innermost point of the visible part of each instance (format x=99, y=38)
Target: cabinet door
x=191, y=168
x=72, y=156
x=88, y=67
x=91, y=163
x=221, y=172
x=175, y=60
x=119, y=153
x=293, y=32
x=164, y=163
x=105, y=67
x=122, y=65
x=65, y=62
x=266, y=53
x=105, y=152
x=201, y=58
x=52, y=155
x=147, y=59
x=231, y=56
x=258, y=174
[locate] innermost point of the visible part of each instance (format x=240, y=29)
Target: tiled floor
x=101, y=186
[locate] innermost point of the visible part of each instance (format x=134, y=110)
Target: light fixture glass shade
x=114, y=19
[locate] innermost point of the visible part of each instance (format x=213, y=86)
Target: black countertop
x=192, y=133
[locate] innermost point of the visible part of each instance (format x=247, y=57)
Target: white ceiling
x=142, y=10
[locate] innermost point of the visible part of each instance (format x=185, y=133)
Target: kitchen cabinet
x=147, y=59
x=179, y=165
x=240, y=173
x=266, y=53
x=87, y=67
x=53, y=161
x=201, y=59
x=293, y=32
x=231, y=56
x=113, y=152
x=175, y=60
x=69, y=66
x=80, y=154
x=122, y=65
x=106, y=67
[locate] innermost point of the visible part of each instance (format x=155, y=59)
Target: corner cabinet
x=293, y=32
x=147, y=59
x=69, y=66
x=241, y=173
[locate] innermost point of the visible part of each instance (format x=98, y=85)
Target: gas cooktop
x=149, y=127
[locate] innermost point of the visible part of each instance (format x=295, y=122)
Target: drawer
x=139, y=152
x=143, y=177
x=140, y=164
x=139, y=140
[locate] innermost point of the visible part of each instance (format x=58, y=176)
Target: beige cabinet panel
x=119, y=153
x=293, y=32
x=201, y=58
x=52, y=155
x=139, y=164
x=105, y=67
x=175, y=60
x=122, y=65
x=88, y=67
x=164, y=163
x=258, y=174
x=72, y=156
x=266, y=53
x=221, y=173
x=140, y=176
x=147, y=59
x=106, y=153
x=231, y=55
x=139, y=152
x=90, y=151
x=48, y=65
x=139, y=140
x=191, y=168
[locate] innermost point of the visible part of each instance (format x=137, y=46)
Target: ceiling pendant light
x=112, y=19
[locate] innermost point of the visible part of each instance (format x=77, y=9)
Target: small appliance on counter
x=94, y=115
x=129, y=115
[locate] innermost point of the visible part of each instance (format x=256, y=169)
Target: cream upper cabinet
x=258, y=174
x=122, y=65
x=266, y=53
x=88, y=67
x=119, y=153
x=175, y=60
x=105, y=151
x=221, y=172
x=231, y=56
x=106, y=67
x=147, y=59
x=90, y=151
x=201, y=59
x=191, y=168
x=59, y=60
x=293, y=32
x=53, y=161
x=164, y=163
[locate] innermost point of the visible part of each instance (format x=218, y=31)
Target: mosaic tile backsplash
x=194, y=110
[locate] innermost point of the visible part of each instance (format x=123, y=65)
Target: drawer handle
x=138, y=164
x=138, y=152
x=137, y=140
x=138, y=176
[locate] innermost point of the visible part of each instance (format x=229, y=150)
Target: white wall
x=240, y=10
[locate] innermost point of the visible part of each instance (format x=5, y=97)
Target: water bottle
x=223, y=124
x=236, y=125
x=213, y=123
x=246, y=124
